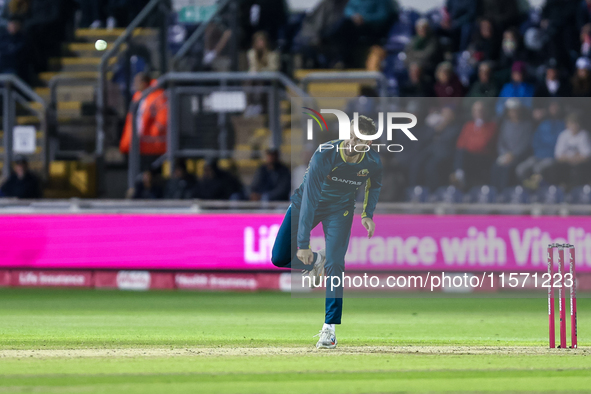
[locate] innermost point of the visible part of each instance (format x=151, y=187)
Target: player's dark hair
x=366, y=125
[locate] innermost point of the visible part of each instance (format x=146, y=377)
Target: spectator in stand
x=418, y=84
x=552, y=86
x=475, y=149
x=109, y=13
x=216, y=51
x=148, y=187
x=459, y=21
x=511, y=51
x=586, y=41
x=572, y=155
x=152, y=122
x=365, y=103
x=504, y=14
x=14, y=10
x=367, y=19
x=583, y=13
x=45, y=28
x=485, y=44
x=12, y=50
x=543, y=144
x=516, y=88
x=217, y=184
x=559, y=28
x=581, y=81
x=485, y=86
x=272, y=181
x=423, y=49
x=513, y=144
x=260, y=57
x=447, y=82
x=431, y=166
x=310, y=39
x=270, y=16
x=182, y=184
x=21, y=183
x=13, y=40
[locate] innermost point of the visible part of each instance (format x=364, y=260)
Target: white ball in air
x=100, y=45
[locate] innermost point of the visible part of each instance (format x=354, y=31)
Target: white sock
x=328, y=327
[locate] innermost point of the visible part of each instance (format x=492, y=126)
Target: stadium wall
x=230, y=242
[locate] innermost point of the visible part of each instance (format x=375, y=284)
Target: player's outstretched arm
x=373, y=187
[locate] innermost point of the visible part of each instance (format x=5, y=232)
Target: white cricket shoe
x=327, y=340
x=317, y=271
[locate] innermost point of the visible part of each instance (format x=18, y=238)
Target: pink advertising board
x=244, y=242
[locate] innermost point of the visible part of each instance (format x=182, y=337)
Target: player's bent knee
x=279, y=259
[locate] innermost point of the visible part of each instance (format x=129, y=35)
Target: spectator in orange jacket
x=153, y=120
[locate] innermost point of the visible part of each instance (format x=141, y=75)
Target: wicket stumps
x=562, y=295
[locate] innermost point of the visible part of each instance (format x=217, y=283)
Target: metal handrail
x=187, y=77
x=17, y=90
x=13, y=205
x=23, y=87
x=347, y=76
x=193, y=38
x=101, y=93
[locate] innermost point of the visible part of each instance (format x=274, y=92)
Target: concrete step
x=84, y=49
x=344, y=89
x=38, y=135
x=65, y=108
x=34, y=121
x=46, y=76
x=301, y=73
x=91, y=35
x=74, y=64
x=77, y=64
x=84, y=93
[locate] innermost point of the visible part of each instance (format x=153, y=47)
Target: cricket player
x=327, y=195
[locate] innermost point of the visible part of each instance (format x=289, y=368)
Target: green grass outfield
x=89, y=341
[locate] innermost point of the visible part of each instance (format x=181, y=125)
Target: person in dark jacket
x=447, y=82
x=503, y=14
x=512, y=51
x=272, y=181
x=45, y=29
x=581, y=81
x=543, y=145
x=12, y=49
x=552, y=85
x=423, y=48
x=485, y=43
x=583, y=13
x=22, y=183
x=433, y=163
x=418, y=84
x=485, y=86
x=217, y=184
x=367, y=19
x=460, y=21
x=559, y=28
x=181, y=184
x=513, y=145
x=148, y=187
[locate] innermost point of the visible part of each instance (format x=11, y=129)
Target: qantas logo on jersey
x=345, y=181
